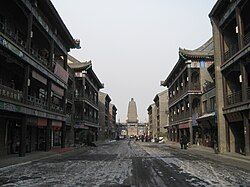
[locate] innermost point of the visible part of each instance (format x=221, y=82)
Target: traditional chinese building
x=161, y=104
x=151, y=120
x=34, y=43
x=105, y=131
x=207, y=133
x=231, y=33
x=112, y=114
x=86, y=111
x=185, y=88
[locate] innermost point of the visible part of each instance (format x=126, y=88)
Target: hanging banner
x=38, y=77
x=59, y=91
x=62, y=73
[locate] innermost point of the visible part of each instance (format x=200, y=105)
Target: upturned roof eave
x=59, y=19
x=214, y=9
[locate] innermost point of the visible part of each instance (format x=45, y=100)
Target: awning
x=206, y=116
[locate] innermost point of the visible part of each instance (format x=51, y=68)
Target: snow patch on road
x=210, y=172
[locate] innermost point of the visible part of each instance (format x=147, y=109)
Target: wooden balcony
x=181, y=116
x=19, y=38
x=37, y=102
x=9, y=93
x=178, y=94
x=35, y=53
x=56, y=108
x=86, y=118
x=14, y=34
x=85, y=97
x=234, y=98
x=232, y=50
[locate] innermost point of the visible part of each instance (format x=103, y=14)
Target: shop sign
x=184, y=126
x=9, y=107
x=11, y=47
x=80, y=126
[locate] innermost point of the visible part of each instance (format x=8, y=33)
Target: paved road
x=125, y=163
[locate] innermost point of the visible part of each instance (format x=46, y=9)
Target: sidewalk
x=209, y=152
x=13, y=160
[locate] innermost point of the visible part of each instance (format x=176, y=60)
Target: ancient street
x=126, y=163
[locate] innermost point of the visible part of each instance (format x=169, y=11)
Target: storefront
x=56, y=133
x=81, y=131
x=32, y=135
x=236, y=132
x=184, y=129
x=207, y=132
x=42, y=125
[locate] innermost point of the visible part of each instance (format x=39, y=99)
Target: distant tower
x=132, y=112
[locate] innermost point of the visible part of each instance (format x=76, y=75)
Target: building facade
x=207, y=134
x=105, y=131
x=86, y=105
x=152, y=120
x=185, y=88
x=231, y=33
x=34, y=43
x=113, y=124
x=162, y=120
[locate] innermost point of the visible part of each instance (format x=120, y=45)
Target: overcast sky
x=133, y=44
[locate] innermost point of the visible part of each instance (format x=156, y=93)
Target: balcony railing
x=35, y=53
x=82, y=96
x=179, y=93
x=19, y=38
x=86, y=118
x=56, y=108
x=181, y=116
x=234, y=98
x=209, y=86
x=9, y=93
x=14, y=34
x=247, y=38
x=37, y=102
x=232, y=49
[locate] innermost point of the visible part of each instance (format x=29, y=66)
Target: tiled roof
x=206, y=50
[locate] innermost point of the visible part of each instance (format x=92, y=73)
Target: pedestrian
x=183, y=141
